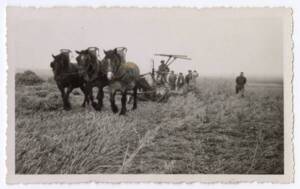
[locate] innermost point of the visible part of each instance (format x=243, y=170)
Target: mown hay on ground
x=37, y=98
x=209, y=130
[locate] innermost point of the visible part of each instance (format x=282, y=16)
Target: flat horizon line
x=48, y=72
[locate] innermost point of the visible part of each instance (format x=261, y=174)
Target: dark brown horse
x=66, y=76
x=90, y=70
x=122, y=77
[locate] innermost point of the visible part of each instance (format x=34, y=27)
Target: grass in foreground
x=209, y=130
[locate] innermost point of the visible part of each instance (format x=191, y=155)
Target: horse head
x=60, y=63
x=111, y=63
x=87, y=63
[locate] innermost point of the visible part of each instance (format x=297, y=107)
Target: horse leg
x=68, y=104
x=62, y=92
x=114, y=108
x=134, y=98
x=130, y=100
x=123, y=101
x=100, y=96
x=91, y=95
x=86, y=96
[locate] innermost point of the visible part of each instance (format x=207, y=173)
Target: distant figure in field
x=163, y=71
x=189, y=77
x=172, y=80
x=240, y=84
x=180, y=81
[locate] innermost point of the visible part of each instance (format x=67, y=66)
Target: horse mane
x=93, y=57
x=115, y=53
x=93, y=62
x=62, y=63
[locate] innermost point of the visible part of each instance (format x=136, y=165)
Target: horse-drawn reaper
x=113, y=71
x=154, y=85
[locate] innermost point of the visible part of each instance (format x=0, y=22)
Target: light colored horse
x=122, y=77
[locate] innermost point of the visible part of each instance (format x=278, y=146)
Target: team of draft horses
x=90, y=72
x=112, y=70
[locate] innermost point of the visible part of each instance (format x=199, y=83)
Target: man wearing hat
x=180, y=81
x=240, y=84
x=163, y=71
x=189, y=77
x=172, y=80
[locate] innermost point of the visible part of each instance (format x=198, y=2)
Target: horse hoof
x=114, y=109
x=94, y=104
x=67, y=108
x=98, y=109
x=122, y=113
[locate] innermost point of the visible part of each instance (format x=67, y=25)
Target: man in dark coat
x=180, y=81
x=163, y=71
x=189, y=77
x=172, y=80
x=240, y=84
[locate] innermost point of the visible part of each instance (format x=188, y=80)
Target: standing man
x=163, y=71
x=188, y=77
x=240, y=84
x=180, y=81
x=172, y=80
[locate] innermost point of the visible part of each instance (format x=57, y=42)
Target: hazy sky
x=220, y=42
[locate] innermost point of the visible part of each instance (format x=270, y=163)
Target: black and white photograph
x=150, y=91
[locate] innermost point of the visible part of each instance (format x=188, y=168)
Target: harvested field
x=209, y=130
